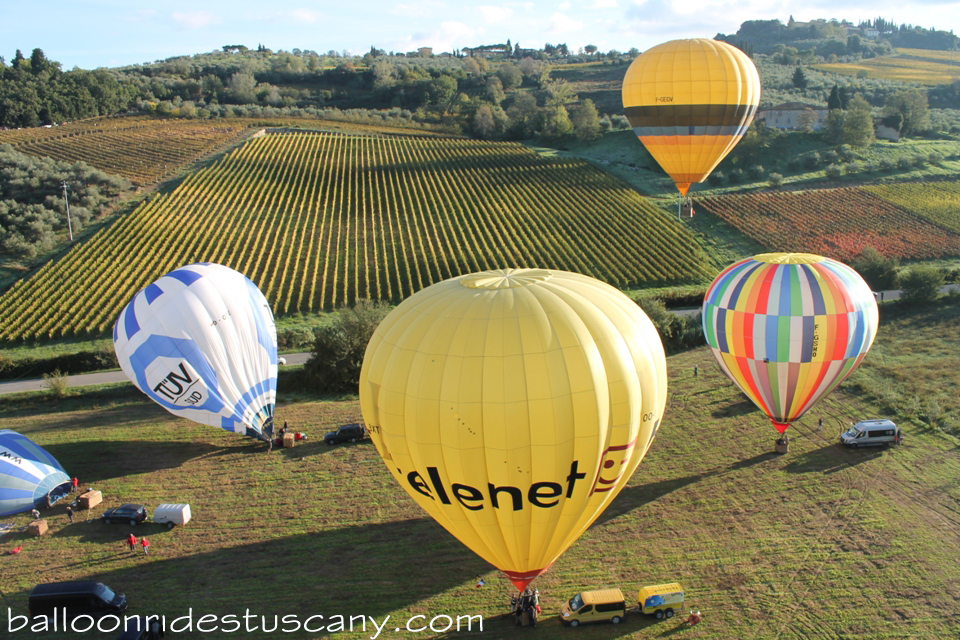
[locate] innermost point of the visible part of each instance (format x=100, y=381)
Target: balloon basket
x=782, y=446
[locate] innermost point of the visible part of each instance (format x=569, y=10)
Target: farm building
x=792, y=116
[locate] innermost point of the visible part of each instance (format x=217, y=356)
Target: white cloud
x=196, y=19
x=425, y=9
x=451, y=35
x=564, y=6
x=604, y=4
x=560, y=24
x=307, y=16
x=493, y=15
x=141, y=15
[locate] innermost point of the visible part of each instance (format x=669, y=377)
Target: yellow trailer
x=660, y=600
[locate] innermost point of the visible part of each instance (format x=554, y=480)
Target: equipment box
x=90, y=499
x=37, y=527
x=172, y=514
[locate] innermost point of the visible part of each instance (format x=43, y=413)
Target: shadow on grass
x=741, y=408
x=94, y=461
x=370, y=570
x=549, y=626
x=631, y=498
x=830, y=459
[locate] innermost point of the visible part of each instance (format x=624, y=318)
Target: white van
x=871, y=433
x=171, y=514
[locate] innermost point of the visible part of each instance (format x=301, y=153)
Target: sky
x=112, y=33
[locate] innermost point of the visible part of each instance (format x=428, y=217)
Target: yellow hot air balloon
x=690, y=102
x=513, y=405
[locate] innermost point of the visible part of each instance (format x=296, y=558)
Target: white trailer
x=172, y=514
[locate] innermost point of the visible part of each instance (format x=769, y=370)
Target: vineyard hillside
x=142, y=149
x=939, y=202
x=920, y=66
x=320, y=219
x=840, y=223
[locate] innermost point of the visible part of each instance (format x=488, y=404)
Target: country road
x=108, y=377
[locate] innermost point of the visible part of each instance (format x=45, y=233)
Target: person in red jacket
x=132, y=542
x=146, y=545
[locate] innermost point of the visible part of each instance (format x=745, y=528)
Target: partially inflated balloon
x=513, y=405
x=788, y=328
x=201, y=342
x=30, y=477
x=690, y=102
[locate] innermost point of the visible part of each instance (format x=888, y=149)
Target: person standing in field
x=132, y=542
x=146, y=545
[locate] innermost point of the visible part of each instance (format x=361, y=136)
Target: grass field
x=820, y=542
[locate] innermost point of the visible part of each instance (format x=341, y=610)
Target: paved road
x=91, y=379
x=105, y=377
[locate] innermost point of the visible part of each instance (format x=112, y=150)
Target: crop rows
x=916, y=66
x=939, y=202
x=143, y=150
x=837, y=223
x=318, y=220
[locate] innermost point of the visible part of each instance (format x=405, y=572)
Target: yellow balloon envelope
x=690, y=102
x=513, y=405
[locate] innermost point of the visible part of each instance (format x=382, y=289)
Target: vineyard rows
x=939, y=202
x=318, y=220
x=837, y=223
x=143, y=150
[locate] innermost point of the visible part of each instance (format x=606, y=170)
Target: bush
x=736, y=176
x=812, y=161
x=831, y=157
x=877, y=270
x=921, y=285
x=935, y=157
x=903, y=163
x=833, y=171
x=852, y=167
x=886, y=164
x=716, y=178
x=295, y=338
x=794, y=164
x=337, y=355
x=775, y=180
x=57, y=383
x=755, y=171
x=677, y=333
x=919, y=161
x=846, y=154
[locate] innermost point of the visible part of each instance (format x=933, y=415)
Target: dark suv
x=346, y=433
x=132, y=513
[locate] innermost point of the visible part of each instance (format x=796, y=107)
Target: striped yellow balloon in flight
x=690, y=102
x=513, y=406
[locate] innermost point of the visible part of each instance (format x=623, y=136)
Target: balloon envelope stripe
x=152, y=292
x=683, y=116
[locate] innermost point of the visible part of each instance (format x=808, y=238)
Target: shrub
x=755, y=171
x=794, y=164
x=57, y=383
x=295, y=338
x=337, y=355
x=677, y=333
x=877, y=270
x=812, y=161
x=833, y=171
x=736, y=176
x=852, y=167
x=716, y=178
x=775, y=180
x=886, y=164
x=831, y=157
x=919, y=161
x=921, y=285
x=845, y=152
x=935, y=157
x=903, y=163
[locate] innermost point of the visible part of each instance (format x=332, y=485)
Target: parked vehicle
x=141, y=628
x=605, y=605
x=172, y=514
x=660, y=600
x=85, y=597
x=871, y=433
x=132, y=513
x=346, y=433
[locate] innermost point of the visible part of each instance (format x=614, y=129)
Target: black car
x=346, y=433
x=132, y=513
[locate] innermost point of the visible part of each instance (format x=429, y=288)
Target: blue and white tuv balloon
x=202, y=343
x=29, y=476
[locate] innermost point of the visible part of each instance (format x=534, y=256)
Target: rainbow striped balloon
x=788, y=328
